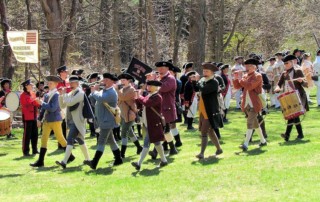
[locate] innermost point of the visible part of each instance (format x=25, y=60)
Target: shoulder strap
x=153, y=109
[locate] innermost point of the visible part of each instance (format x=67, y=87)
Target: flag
x=138, y=69
x=24, y=45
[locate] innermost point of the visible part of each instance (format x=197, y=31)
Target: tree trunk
x=115, y=38
x=29, y=27
x=140, y=30
x=172, y=27
x=7, y=54
x=197, y=37
x=70, y=28
x=103, y=31
x=53, y=14
x=153, y=32
x=176, y=45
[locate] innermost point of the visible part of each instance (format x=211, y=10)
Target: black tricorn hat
x=154, y=83
x=110, y=76
x=279, y=53
x=191, y=73
x=251, y=62
x=210, y=66
x=74, y=78
x=77, y=72
x=289, y=57
x=126, y=76
x=53, y=78
x=164, y=64
x=175, y=69
x=187, y=65
x=26, y=82
x=271, y=58
x=38, y=84
x=62, y=69
x=222, y=67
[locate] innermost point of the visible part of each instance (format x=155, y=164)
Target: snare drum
x=5, y=121
x=12, y=101
x=291, y=105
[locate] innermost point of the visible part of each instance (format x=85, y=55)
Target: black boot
x=123, y=151
x=178, y=141
x=225, y=116
x=40, y=161
x=153, y=154
x=139, y=130
x=97, y=135
x=299, y=130
x=117, y=157
x=217, y=131
x=173, y=149
x=190, y=121
x=165, y=146
x=94, y=162
x=139, y=148
x=185, y=117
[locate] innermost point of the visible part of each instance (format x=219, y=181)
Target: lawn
x=278, y=172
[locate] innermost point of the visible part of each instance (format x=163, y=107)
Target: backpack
x=87, y=111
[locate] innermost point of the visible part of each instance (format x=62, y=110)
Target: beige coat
x=68, y=100
x=127, y=103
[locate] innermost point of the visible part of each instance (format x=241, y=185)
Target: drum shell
x=5, y=122
x=291, y=105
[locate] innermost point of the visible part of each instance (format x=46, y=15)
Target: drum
x=5, y=121
x=12, y=101
x=291, y=105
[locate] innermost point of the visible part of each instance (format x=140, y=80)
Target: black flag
x=138, y=69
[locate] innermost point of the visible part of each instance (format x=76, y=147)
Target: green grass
x=279, y=172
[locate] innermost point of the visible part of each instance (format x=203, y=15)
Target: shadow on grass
x=252, y=152
x=56, y=152
x=206, y=161
x=294, y=142
x=3, y=154
x=45, y=169
x=71, y=169
x=147, y=172
x=23, y=157
x=10, y=175
x=101, y=171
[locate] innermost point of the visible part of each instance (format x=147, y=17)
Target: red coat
x=29, y=106
x=167, y=91
x=251, y=84
x=66, y=85
x=155, y=128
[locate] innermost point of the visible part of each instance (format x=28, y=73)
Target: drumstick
x=297, y=79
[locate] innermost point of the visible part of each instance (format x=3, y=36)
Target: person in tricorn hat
x=167, y=91
x=6, y=85
x=187, y=67
x=209, y=110
x=152, y=122
x=238, y=67
x=278, y=68
x=297, y=53
x=190, y=99
x=316, y=66
x=226, y=93
x=174, y=72
x=50, y=118
x=29, y=109
x=270, y=75
x=40, y=89
x=287, y=85
x=74, y=102
x=251, y=104
x=106, y=118
x=128, y=107
x=63, y=73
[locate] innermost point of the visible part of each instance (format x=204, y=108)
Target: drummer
x=6, y=88
x=29, y=107
x=286, y=82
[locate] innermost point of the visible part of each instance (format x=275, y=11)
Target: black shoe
x=152, y=154
x=178, y=141
x=139, y=148
x=173, y=149
x=219, y=151
x=136, y=165
x=71, y=158
x=243, y=147
x=94, y=162
x=38, y=163
x=35, y=152
x=26, y=154
x=63, y=165
x=299, y=137
x=162, y=164
x=225, y=120
x=190, y=128
x=263, y=144
x=285, y=137
x=87, y=162
x=200, y=156
x=117, y=156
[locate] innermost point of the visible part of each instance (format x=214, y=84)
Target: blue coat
x=104, y=116
x=53, y=109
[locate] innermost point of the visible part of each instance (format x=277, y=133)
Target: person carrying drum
x=290, y=80
x=6, y=88
x=29, y=108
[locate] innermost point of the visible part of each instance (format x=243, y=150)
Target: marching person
x=179, y=110
x=29, y=108
x=167, y=91
x=238, y=67
x=270, y=75
x=190, y=99
x=209, y=110
x=6, y=85
x=286, y=84
x=278, y=68
x=51, y=119
x=92, y=78
x=128, y=107
x=226, y=93
x=316, y=66
x=307, y=69
x=251, y=104
x=152, y=122
x=187, y=67
x=76, y=124
x=40, y=89
x=106, y=119
x=63, y=73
